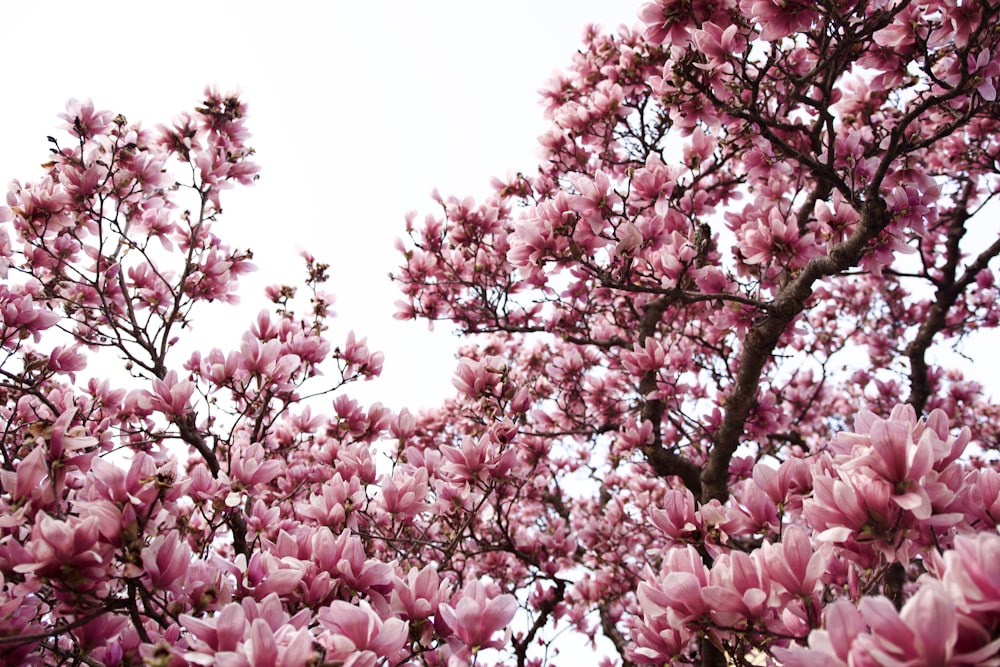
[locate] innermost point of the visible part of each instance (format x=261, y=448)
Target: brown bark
x=763, y=337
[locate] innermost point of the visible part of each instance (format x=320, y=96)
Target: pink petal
x=261, y=648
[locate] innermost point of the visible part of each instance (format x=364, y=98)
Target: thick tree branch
x=948, y=292
x=663, y=461
x=545, y=611
x=612, y=632
x=762, y=338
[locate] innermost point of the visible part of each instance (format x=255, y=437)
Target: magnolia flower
x=69, y=552
x=475, y=618
x=629, y=239
x=353, y=629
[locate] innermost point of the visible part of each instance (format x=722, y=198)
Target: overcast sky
x=358, y=110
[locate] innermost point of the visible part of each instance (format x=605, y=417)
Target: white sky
x=358, y=111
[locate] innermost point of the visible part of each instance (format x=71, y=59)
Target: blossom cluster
x=891, y=566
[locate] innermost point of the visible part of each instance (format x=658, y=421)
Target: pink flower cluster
x=827, y=546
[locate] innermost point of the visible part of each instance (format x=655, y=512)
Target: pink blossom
x=248, y=467
x=658, y=641
x=780, y=19
x=840, y=508
x=357, y=628
x=171, y=395
x=970, y=575
x=476, y=618
x=359, y=358
x=792, y=478
x=925, y=631
x=70, y=551
x=595, y=201
x=831, y=646
x=165, y=561
x=419, y=595
x=222, y=633
x=738, y=590
x=678, y=518
x=662, y=321
x=83, y=120
x=717, y=43
x=794, y=564
x=478, y=459
x=31, y=470
x=775, y=239
x=902, y=463
x=333, y=504
x=267, y=574
x=680, y=589
x=669, y=21
x=761, y=512
x=19, y=318
x=474, y=379
x=986, y=69
x=67, y=360
x=629, y=239
x=406, y=494
x=344, y=558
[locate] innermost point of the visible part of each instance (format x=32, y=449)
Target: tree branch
x=762, y=338
x=664, y=462
x=948, y=292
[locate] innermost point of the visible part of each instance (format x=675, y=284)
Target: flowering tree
x=195, y=510
x=660, y=435
x=756, y=224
